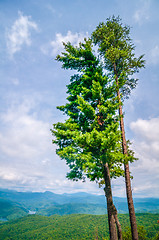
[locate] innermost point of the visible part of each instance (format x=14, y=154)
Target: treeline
x=76, y=226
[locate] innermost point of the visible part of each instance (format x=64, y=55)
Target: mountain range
x=15, y=204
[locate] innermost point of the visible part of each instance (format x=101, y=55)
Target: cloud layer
x=20, y=34
x=24, y=142
x=146, y=144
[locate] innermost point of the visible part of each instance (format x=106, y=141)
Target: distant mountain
x=10, y=210
x=15, y=203
x=74, y=208
x=39, y=200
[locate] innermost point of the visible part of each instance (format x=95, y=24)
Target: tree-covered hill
x=77, y=227
x=10, y=210
x=74, y=208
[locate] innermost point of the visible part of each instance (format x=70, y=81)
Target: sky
x=32, y=84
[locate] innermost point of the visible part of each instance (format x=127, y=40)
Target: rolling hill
x=10, y=210
x=75, y=227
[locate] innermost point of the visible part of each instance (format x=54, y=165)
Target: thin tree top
x=118, y=51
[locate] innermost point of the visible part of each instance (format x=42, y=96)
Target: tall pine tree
x=117, y=51
x=89, y=140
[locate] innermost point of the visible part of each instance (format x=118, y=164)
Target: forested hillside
x=10, y=210
x=77, y=227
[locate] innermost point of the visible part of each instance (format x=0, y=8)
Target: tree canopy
x=90, y=136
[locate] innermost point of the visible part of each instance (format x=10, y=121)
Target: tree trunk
x=127, y=179
x=118, y=227
x=126, y=167
x=113, y=221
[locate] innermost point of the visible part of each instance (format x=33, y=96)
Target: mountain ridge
x=48, y=203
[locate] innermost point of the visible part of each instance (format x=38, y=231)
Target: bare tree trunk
x=114, y=225
x=127, y=180
x=118, y=226
x=126, y=167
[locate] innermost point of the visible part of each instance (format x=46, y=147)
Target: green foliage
x=141, y=233
x=156, y=237
x=55, y=227
x=76, y=226
x=90, y=137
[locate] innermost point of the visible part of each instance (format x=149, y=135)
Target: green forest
x=75, y=226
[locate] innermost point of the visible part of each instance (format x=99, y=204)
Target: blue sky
x=33, y=84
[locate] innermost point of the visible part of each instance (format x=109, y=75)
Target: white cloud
x=147, y=129
x=142, y=14
x=25, y=136
x=146, y=145
x=56, y=46
x=20, y=33
x=43, y=179
x=27, y=156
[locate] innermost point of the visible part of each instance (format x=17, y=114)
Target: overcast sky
x=33, y=84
